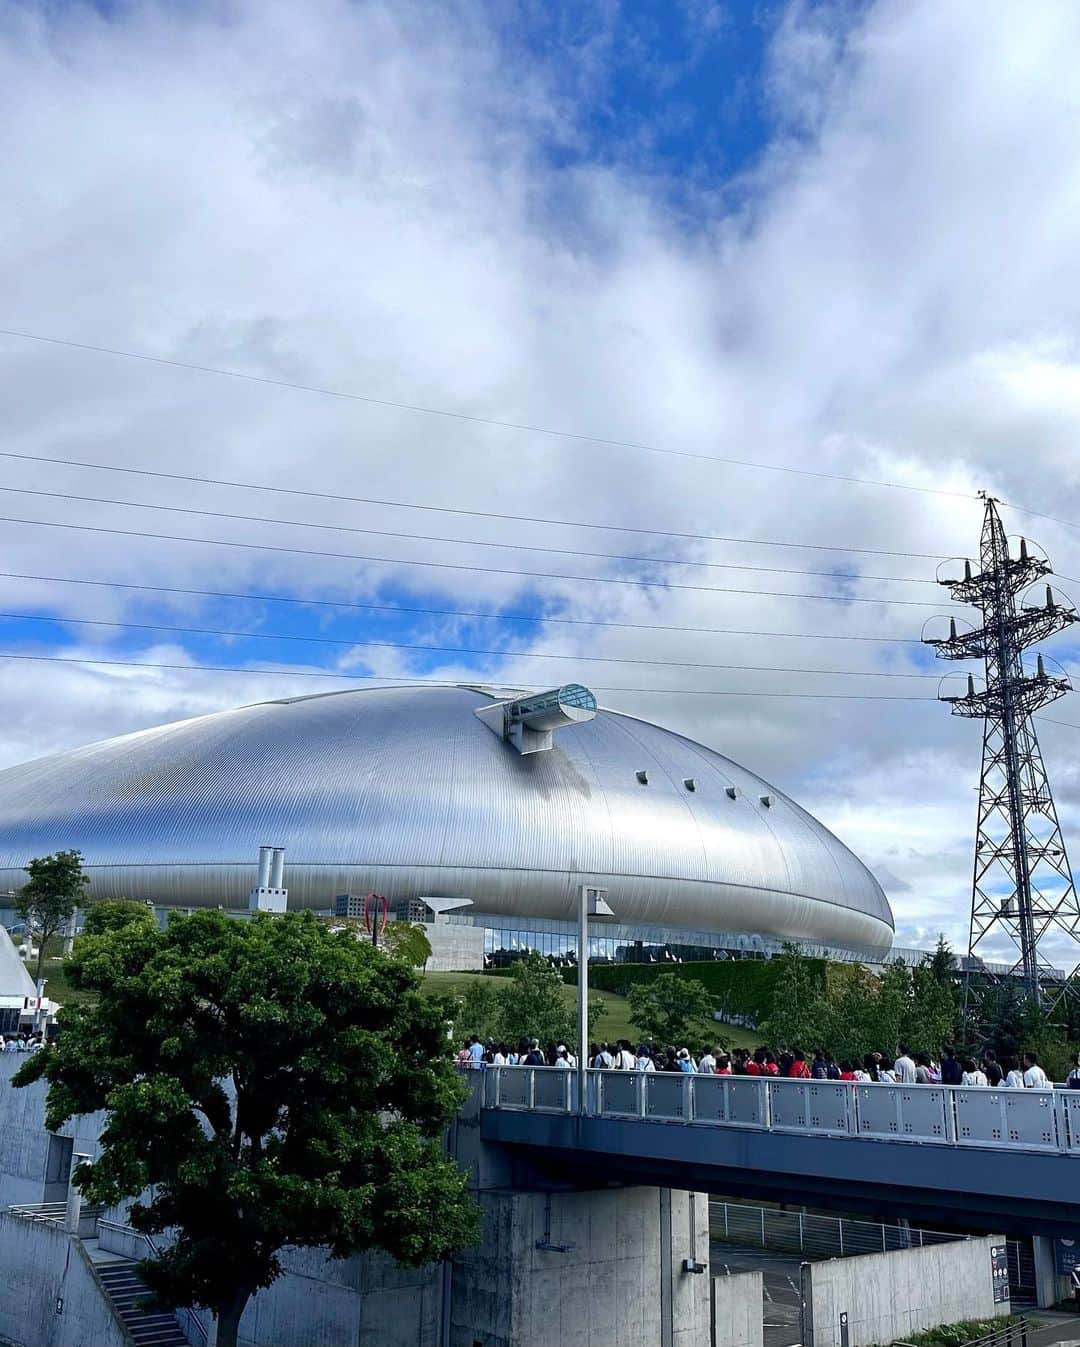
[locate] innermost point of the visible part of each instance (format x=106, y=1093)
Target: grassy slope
x=614, y=1023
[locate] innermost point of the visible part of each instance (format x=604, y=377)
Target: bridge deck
x=1001, y=1159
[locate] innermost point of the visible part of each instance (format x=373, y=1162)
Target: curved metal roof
x=405, y=791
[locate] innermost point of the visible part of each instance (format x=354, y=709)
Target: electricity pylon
x=1023, y=886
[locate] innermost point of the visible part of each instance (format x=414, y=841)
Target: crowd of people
x=906, y=1068
x=20, y=1042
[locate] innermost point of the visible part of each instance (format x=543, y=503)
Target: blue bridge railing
x=944, y=1115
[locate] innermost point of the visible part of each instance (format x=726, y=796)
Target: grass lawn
x=57, y=987
x=613, y=1024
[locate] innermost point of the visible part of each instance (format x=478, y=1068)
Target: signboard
x=1066, y=1255
x=999, y=1271
x=844, y=1339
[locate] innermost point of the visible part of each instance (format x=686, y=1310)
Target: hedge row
x=741, y=986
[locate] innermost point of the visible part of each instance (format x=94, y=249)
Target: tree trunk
x=228, y=1319
x=40, y=958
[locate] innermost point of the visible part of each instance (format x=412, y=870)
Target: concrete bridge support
x=585, y=1269
x=571, y=1267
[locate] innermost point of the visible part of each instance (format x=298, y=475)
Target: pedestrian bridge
x=1007, y=1159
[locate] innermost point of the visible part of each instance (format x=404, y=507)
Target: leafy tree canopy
x=274, y=1081
x=533, y=1004
x=408, y=941
x=51, y=895
x=798, y=1015
x=674, y=1011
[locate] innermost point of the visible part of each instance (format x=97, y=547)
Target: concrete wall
x=366, y=1301
x=584, y=1269
x=24, y=1143
x=891, y=1296
x=454, y=948
x=41, y=1266
x=738, y=1310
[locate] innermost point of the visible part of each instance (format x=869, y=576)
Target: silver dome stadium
x=408, y=791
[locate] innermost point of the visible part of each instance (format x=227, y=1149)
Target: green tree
x=50, y=896
x=942, y=963
x=112, y=914
x=674, y=1010
x=932, y=1015
x=853, y=1019
x=409, y=941
x=797, y=1016
x=270, y=1082
x=534, y=1004
x=479, y=1008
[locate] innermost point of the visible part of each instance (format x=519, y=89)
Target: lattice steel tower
x=1023, y=885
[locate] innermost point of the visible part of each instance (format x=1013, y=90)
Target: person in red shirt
x=847, y=1071
x=768, y=1063
x=798, y=1069
x=723, y=1064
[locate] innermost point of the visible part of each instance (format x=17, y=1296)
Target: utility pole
x=1022, y=885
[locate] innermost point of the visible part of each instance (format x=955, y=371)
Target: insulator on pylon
x=1040, y=672
x=952, y=628
x=971, y=686
x=1023, y=549
x=1050, y=604
x=967, y=570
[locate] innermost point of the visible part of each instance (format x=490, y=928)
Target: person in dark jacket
x=951, y=1070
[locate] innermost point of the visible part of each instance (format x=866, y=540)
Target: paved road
x=780, y=1276
x=1062, y=1330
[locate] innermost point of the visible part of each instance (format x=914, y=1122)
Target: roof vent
x=528, y=722
x=730, y=792
x=689, y=783
x=766, y=800
x=642, y=776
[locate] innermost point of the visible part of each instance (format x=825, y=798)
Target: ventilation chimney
x=269, y=893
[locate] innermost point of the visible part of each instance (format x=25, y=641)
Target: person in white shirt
x=971, y=1075
x=1014, y=1077
x=624, y=1058
x=644, y=1061
x=904, y=1067
x=1034, y=1075
x=564, y=1058
x=707, y=1065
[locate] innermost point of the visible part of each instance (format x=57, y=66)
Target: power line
x=337, y=498
x=453, y=565
x=451, y=612
x=453, y=649
x=393, y=678
x=475, y=419
x=432, y=682
x=462, y=542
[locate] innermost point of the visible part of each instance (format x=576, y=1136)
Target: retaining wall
x=738, y=1310
x=49, y=1297
x=890, y=1296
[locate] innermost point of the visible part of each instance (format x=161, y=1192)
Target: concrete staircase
x=151, y=1327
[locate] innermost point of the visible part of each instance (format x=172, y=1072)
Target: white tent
x=15, y=981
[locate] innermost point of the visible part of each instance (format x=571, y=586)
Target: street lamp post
x=591, y=903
